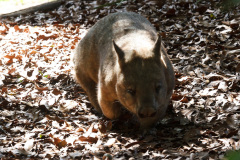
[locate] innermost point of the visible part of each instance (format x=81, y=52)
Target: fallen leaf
x=89, y=139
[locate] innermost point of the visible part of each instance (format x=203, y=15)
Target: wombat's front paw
x=111, y=110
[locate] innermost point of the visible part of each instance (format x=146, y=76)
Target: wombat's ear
x=119, y=52
x=157, y=46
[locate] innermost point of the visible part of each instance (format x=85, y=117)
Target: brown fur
x=121, y=62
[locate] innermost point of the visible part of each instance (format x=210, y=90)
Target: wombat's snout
x=147, y=112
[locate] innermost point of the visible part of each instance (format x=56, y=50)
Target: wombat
x=121, y=62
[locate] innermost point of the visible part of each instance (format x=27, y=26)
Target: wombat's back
x=117, y=25
x=120, y=24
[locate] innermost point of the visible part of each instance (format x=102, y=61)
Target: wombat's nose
x=147, y=112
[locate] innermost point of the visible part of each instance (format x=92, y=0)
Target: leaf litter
x=45, y=114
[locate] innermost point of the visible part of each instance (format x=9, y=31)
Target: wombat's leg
x=90, y=87
x=92, y=95
x=110, y=108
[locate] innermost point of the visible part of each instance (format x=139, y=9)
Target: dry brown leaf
x=80, y=130
x=56, y=91
x=58, y=142
x=43, y=37
x=17, y=29
x=184, y=100
x=89, y=139
x=176, y=97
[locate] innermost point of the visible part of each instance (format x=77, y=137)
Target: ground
x=45, y=114
x=15, y=5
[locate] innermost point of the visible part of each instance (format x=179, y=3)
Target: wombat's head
x=141, y=84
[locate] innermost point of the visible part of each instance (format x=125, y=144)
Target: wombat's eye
x=158, y=87
x=131, y=91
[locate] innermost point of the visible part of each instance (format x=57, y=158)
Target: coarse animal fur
x=121, y=62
